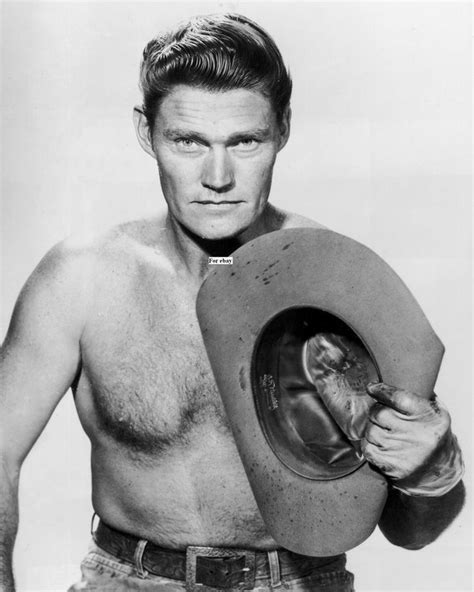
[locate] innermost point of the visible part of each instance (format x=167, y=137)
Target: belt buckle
x=192, y=554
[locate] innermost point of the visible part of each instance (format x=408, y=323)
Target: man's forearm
x=8, y=525
x=414, y=521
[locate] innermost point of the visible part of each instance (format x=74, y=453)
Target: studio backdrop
x=379, y=151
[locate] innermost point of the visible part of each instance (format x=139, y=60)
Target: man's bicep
x=41, y=354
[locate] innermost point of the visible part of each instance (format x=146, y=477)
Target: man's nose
x=218, y=171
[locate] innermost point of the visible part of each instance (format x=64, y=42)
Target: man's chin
x=229, y=228
x=217, y=242
x=220, y=234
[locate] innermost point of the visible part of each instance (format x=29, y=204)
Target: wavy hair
x=217, y=53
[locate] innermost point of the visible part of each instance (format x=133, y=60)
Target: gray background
x=380, y=150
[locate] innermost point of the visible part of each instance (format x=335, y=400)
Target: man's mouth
x=218, y=203
x=224, y=204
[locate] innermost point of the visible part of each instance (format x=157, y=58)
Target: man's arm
x=9, y=524
x=38, y=362
x=410, y=439
x=407, y=437
x=413, y=522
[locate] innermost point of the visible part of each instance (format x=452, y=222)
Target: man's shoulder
x=88, y=259
x=116, y=245
x=292, y=220
x=82, y=269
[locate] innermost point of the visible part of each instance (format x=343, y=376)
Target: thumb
x=399, y=400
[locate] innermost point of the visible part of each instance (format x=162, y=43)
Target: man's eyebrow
x=261, y=133
x=173, y=133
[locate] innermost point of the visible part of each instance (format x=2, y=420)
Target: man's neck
x=194, y=252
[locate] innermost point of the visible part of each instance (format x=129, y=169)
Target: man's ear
x=285, y=126
x=143, y=131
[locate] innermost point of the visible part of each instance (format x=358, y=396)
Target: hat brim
x=321, y=270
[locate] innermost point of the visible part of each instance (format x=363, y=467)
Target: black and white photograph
x=236, y=296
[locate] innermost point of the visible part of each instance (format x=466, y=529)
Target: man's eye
x=248, y=144
x=186, y=144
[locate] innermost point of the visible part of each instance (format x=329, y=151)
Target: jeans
x=101, y=571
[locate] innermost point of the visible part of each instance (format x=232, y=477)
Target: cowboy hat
x=316, y=493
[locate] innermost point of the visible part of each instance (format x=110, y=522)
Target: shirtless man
x=114, y=319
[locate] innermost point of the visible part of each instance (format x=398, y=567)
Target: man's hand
x=406, y=436
x=340, y=378
x=409, y=439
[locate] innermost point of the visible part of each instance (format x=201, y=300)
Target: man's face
x=215, y=153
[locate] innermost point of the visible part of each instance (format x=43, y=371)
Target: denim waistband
x=147, y=557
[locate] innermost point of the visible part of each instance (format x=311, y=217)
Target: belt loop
x=274, y=564
x=94, y=515
x=137, y=558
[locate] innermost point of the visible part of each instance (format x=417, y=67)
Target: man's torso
x=164, y=463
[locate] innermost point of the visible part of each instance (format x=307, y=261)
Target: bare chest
x=145, y=368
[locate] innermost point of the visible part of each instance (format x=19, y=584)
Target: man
x=115, y=320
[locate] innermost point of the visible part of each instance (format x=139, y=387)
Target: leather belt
x=203, y=568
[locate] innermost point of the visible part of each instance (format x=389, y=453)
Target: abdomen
x=193, y=494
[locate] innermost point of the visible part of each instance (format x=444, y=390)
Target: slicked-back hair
x=216, y=53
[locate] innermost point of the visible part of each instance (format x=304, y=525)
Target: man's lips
x=218, y=203
x=223, y=206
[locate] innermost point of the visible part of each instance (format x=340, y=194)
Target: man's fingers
x=375, y=435
x=387, y=462
x=381, y=416
x=397, y=399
